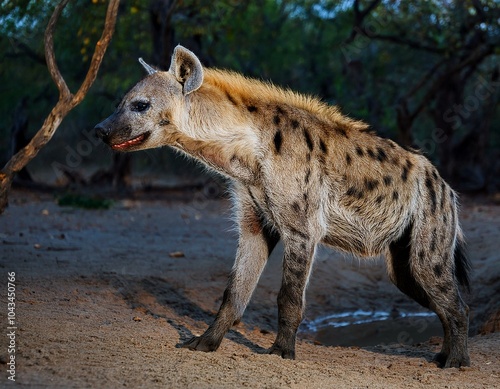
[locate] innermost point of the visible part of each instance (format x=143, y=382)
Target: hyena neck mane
x=256, y=101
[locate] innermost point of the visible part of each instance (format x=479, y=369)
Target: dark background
x=425, y=74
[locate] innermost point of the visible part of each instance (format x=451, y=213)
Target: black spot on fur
x=371, y=153
x=443, y=194
x=438, y=270
x=306, y=197
x=322, y=146
x=434, y=174
x=278, y=140
x=370, y=185
x=379, y=199
x=309, y=142
x=395, y=196
x=276, y=119
x=252, y=108
x=342, y=132
x=387, y=180
x=406, y=170
x=231, y=98
x=391, y=144
x=404, y=174
x=298, y=273
x=280, y=110
x=296, y=206
x=353, y=192
x=433, y=241
x=359, y=151
x=348, y=159
x=432, y=192
x=294, y=123
x=381, y=155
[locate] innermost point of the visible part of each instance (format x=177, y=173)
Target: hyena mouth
x=138, y=140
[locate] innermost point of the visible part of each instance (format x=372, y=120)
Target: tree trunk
x=18, y=138
x=163, y=33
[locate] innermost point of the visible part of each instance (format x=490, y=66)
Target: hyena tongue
x=129, y=143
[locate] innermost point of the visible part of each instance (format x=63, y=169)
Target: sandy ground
x=104, y=296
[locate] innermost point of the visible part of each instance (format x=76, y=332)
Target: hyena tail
x=462, y=265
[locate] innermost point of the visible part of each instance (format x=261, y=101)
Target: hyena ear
x=187, y=69
x=148, y=68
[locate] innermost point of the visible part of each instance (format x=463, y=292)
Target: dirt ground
x=103, y=297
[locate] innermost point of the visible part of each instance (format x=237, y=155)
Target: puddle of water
x=371, y=328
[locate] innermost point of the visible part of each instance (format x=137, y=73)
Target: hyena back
x=303, y=173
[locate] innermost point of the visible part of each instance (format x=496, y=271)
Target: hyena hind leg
x=430, y=280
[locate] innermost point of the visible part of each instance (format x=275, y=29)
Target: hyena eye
x=140, y=106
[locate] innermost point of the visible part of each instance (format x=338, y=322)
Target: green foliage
x=301, y=44
x=83, y=201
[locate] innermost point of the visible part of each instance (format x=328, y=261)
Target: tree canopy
x=423, y=73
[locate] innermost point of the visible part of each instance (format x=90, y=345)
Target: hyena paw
x=200, y=343
x=446, y=361
x=283, y=352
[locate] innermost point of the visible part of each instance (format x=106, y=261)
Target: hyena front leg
x=298, y=257
x=256, y=242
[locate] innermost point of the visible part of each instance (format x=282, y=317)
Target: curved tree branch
x=50, y=56
x=101, y=46
x=66, y=102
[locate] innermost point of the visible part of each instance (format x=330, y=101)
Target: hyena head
x=153, y=107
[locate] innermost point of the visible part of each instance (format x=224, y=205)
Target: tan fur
x=306, y=174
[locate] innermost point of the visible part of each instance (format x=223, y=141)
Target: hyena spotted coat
x=306, y=174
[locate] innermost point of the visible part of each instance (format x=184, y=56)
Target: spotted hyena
x=306, y=174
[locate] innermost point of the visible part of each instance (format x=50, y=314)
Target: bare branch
x=403, y=41
x=22, y=49
x=359, y=17
x=66, y=100
x=49, y=52
x=426, y=78
x=473, y=60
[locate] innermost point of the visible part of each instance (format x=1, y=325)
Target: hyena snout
x=102, y=130
x=119, y=136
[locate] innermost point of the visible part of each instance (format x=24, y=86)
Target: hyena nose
x=102, y=131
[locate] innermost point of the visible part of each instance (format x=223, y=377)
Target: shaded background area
x=425, y=75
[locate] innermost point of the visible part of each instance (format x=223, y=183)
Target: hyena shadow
x=415, y=352
x=155, y=296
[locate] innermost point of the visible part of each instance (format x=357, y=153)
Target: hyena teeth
x=306, y=174
x=129, y=143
